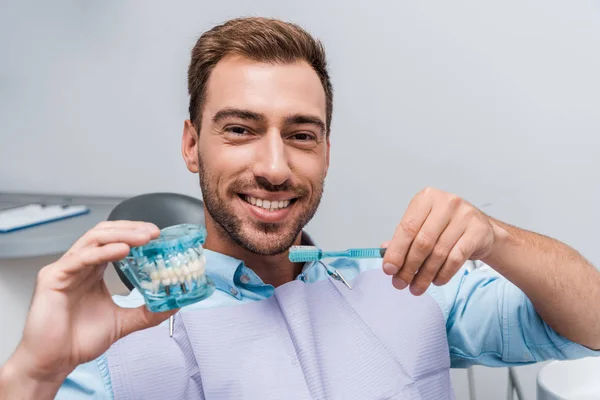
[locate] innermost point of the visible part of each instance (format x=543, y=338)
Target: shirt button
x=244, y=279
x=233, y=291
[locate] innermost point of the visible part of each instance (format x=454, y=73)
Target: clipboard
x=30, y=215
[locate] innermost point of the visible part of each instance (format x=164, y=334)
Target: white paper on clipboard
x=35, y=214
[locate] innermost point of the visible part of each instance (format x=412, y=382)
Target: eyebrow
x=237, y=113
x=300, y=119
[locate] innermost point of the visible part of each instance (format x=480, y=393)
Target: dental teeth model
x=170, y=271
x=186, y=271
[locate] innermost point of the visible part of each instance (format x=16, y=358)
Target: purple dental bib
x=308, y=341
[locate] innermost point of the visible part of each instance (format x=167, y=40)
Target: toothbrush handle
x=337, y=254
x=375, y=252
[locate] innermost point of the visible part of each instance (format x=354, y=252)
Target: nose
x=272, y=161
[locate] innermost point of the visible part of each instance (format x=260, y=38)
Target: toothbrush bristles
x=304, y=254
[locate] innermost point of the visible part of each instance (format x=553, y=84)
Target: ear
x=189, y=146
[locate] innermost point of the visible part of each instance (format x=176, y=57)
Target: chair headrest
x=161, y=209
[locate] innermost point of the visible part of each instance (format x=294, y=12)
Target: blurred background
x=498, y=102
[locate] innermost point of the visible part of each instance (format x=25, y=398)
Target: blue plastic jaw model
x=170, y=271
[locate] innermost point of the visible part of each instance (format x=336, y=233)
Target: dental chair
x=161, y=209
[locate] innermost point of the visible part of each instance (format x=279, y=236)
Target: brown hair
x=260, y=39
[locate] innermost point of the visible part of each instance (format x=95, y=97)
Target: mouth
x=266, y=204
x=269, y=210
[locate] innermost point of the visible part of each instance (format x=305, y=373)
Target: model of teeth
x=184, y=269
x=154, y=284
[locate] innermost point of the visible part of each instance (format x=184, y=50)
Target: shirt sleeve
x=490, y=321
x=88, y=381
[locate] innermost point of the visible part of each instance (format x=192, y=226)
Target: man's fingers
x=131, y=237
x=124, y=224
x=422, y=246
x=91, y=256
x=436, y=259
x=134, y=319
x=417, y=212
x=91, y=237
x=459, y=254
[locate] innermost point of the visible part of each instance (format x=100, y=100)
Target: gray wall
x=495, y=101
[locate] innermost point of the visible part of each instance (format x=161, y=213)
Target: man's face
x=263, y=152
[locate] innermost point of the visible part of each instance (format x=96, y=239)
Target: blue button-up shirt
x=489, y=321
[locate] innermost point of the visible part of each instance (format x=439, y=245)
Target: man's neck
x=274, y=270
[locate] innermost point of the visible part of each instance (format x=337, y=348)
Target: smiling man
x=263, y=149
x=258, y=137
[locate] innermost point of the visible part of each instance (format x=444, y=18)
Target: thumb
x=134, y=319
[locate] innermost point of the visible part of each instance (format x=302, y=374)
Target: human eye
x=303, y=137
x=236, y=130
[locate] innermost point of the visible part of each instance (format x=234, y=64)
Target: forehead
x=274, y=89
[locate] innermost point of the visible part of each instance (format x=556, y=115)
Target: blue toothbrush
x=312, y=253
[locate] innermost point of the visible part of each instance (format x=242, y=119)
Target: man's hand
x=73, y=319
x=437, y=235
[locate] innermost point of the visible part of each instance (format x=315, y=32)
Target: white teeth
x=149, y=267
x=189, y=268
x=267, y=204
x=164, y=273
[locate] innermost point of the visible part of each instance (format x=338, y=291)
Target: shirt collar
x=221, y=269
x=225, y=271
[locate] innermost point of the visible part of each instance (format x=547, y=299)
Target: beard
x=260, y=238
